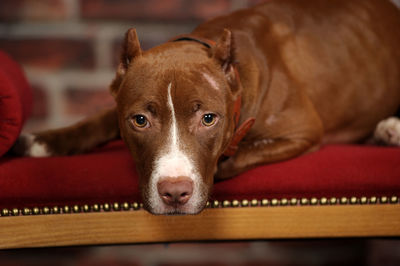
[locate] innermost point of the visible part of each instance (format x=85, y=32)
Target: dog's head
x=175, y=108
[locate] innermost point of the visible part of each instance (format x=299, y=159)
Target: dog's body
x=308, y=72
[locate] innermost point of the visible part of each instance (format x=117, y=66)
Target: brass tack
x=353, y=200
x=323, y=201
x=373, y=200
x=274, y=202
x=116, y=206
x=66, y=209
x=208, y=204
x=46, y=210
x=15, y=212
x=333, y=200
x=140, y=205
x=135, y=206
x=215, y=203
x=36, y=210
x=384, y=199
x=254, y=202
x=56, y=209
x=364, y=200
x=26, y=211
x=5, y=212
x=304, y=201
x=76, y=208
x=264, y=202
x=293, y=201
x=235, y=203
x=106, y=207
x=125, y=206
x=245, y=203
x=226, y=203
x=343, y=200
x=86, y=208
x=284, y=202
x=314, y=201
x=96, y=207
x=393, y=199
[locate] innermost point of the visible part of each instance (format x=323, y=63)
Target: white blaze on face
x=212, y=81
x=172, y=161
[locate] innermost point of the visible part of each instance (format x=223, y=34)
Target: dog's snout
x=175, y=191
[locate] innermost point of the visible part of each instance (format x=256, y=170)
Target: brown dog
x=305, y=73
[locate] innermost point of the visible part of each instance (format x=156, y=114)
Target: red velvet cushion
x=15, y=101
x=108, y=175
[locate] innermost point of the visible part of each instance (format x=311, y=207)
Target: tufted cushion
x=15, y=101
x=108, y=175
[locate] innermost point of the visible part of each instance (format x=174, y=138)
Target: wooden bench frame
x=278, y=220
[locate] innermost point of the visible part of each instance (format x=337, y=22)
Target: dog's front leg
x=74, y=139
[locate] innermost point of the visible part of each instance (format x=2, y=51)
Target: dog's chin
x=176, y=211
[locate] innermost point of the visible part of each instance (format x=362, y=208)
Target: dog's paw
x=28, y=145
x=388, y=132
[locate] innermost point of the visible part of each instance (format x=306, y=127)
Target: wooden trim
x=121, y=227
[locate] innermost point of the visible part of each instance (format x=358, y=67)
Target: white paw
x=28, y=145
x=388, y=131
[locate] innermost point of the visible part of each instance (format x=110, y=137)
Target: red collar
x=240, y=131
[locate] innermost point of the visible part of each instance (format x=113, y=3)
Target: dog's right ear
x=130, y=50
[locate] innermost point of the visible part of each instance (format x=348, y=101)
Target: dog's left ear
x=130, y=50
x=223, y=52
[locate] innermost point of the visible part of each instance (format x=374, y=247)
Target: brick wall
x=69, y=48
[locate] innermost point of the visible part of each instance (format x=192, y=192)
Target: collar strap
x=240, y=131
x=188, y=37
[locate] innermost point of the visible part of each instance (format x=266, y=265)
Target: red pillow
x=15, y=101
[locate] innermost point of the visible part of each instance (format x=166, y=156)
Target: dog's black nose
x=175, y=191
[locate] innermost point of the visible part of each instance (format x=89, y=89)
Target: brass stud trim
x=314, y=201
x=284, y=202
x=254, y=202
x=235, y=203
x=215, y=204
x=36, y=210
x=364, y=200
x=226, y=203
x=343, y=200
x=76, y=208
x=66, y=209
x=304, y=201
x=264, y=202
x=323, y=201
x=26, y=211
x=384, y=199
x=274, y=202
x=373, y=200
x=46, y=210
x=86, y=208
x=293, y=201
x=245, y=203
x=106, y=207
x=56, y=209
x=333, y=201
x=212, y=204
x=135, y=206
x=393, y=199
x=116, y=206
x=353, y=200
x=96, y=207
x=5, y=212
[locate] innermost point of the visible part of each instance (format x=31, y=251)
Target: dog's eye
x=140, y=121
x=209, y=119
